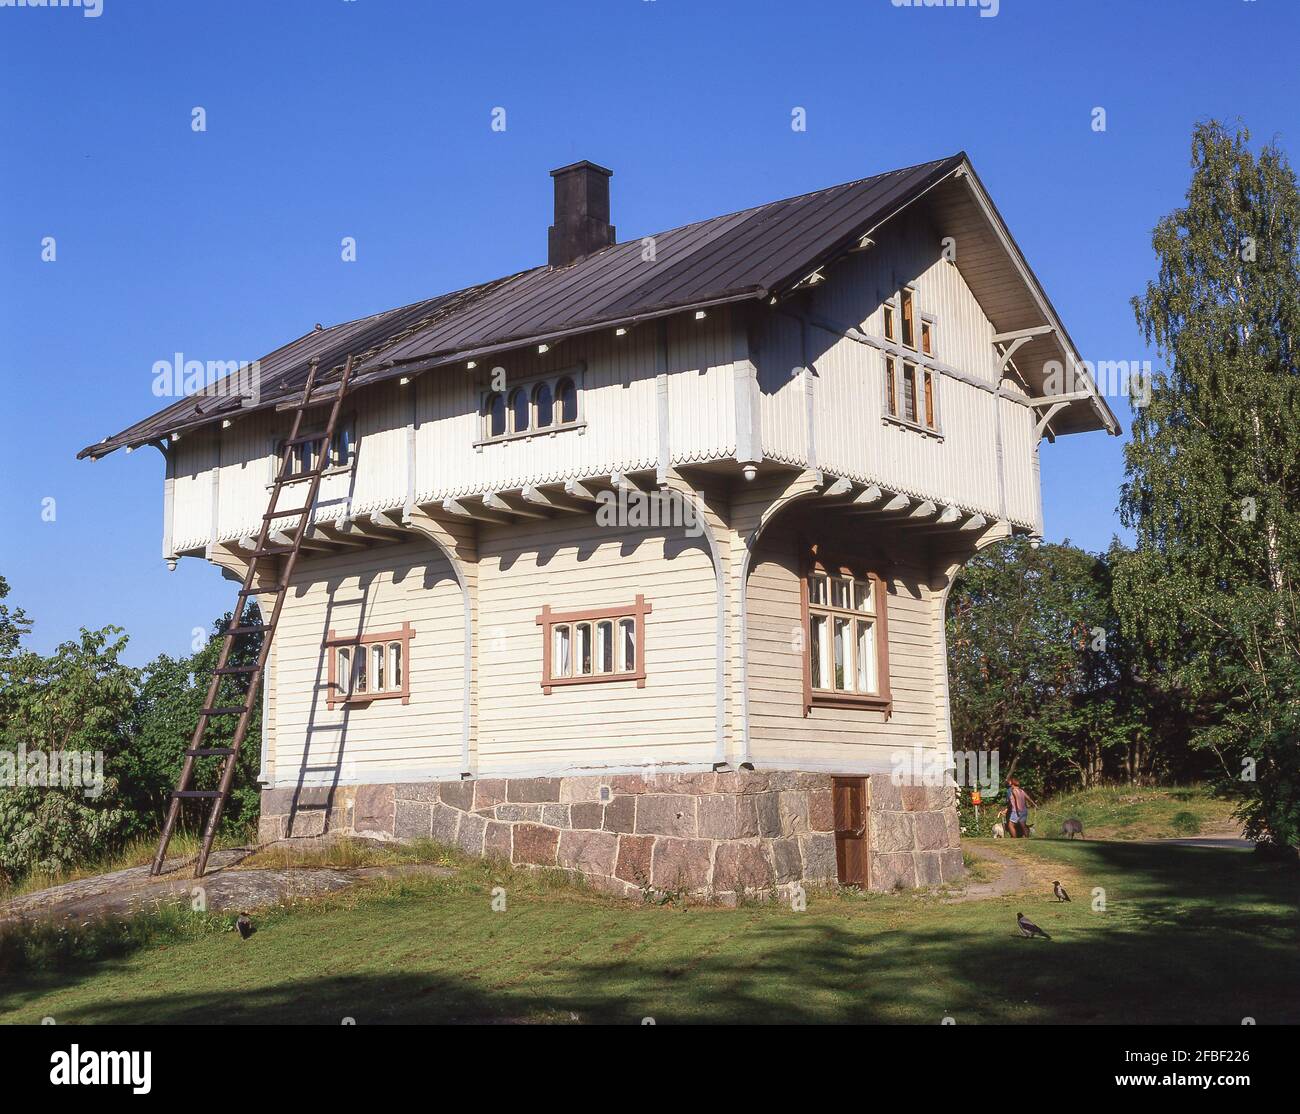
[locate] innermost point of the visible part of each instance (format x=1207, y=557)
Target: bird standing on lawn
x=1028, y=928
x=1059, y=890
x=245, y=925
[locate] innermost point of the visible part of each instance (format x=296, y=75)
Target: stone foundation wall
x=722, y=835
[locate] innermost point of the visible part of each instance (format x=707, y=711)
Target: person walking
x=1018, y=804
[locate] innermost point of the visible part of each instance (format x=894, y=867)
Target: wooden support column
x=712, y=511
x=753, y=506
x=457, y=539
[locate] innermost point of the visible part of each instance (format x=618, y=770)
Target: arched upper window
x=496, y=414
x=536, y=405
x=519, y=410
x=543, y=405
x=566, y=395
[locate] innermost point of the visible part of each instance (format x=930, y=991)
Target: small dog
x=999, y=830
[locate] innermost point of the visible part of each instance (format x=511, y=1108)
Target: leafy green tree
x=136, y=724
x=76, y=700
x=13, y=625
x=1038, y=670
x=172, y=692
x=1213, y=471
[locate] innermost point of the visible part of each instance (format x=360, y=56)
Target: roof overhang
x=1029, y=333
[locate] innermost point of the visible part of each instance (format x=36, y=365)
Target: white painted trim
x=169, y=502
x=661, y=403
x=748, y=415
x=412, y=429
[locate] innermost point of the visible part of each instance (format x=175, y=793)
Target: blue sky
x=371, y=119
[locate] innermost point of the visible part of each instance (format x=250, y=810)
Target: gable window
x=847, y=659
x=909, y=318
x=909, y=393
x=907, y=397
x=342, y=450
x=910, y=385
x=586, y=647
x=539, y=405
x=367, y=667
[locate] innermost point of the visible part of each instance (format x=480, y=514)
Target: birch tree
x=1213, y=471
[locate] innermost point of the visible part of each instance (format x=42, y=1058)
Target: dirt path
x=224, y=887
x=1012, y=878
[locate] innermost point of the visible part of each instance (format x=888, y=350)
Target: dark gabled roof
x=745, y=255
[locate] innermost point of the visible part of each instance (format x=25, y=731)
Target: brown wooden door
x=851, y=830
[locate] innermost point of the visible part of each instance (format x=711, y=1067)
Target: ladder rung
x=224, y=710
x=247, y=628
x=298, y=477
x=228, y=670
x=307, y=439
x=290, y=513
x=196, y=793
x=203, y=752
x=273, y=550
x=246, y=592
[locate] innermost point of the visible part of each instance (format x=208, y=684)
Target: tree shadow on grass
x=1191, y=935
x=1177, y=875
x=811, y=973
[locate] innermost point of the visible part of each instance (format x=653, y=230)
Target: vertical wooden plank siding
x=572, y=564
x=622, y=432
x=386, y=741
x=845, y=740
x=848, y=436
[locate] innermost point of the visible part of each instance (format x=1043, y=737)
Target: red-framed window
x=593, y=646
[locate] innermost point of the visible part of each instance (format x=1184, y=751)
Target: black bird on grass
x=245, y=925
x=1059, y=890
x=1028, y=928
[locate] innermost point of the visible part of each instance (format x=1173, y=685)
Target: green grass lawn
x=1188, y=935
x=1135, y=812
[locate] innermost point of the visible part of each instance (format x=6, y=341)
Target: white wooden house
x=635, y=563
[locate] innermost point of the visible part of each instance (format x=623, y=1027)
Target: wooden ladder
x=311, y=396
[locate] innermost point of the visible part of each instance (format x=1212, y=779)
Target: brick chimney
x=581, y=213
